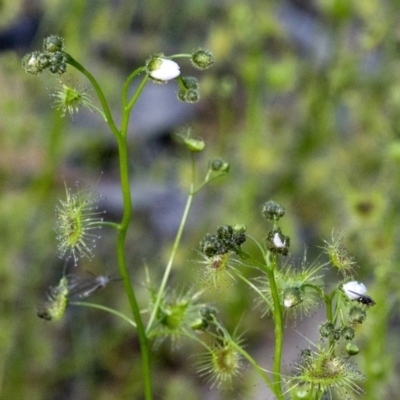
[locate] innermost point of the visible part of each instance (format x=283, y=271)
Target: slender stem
x=174, y=249
x=120, y=136
x=100, y=307
x=108, y=117
x=180, y=56
x=137, y=93
x=258, y=245
x=208, y=180
x=127, y=84
x=251, y=360
x=108, y=223
x=328, y=306
x=127, y=108
x=260, y=293
x=278, y=320
x=126, y=218
x=246, y=355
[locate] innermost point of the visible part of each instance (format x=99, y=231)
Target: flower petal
x=354, y=290
x=167, y=70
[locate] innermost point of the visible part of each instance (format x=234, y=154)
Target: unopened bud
x=352, y=349
x=219, y=165
x=53, y=43
x=202, y=59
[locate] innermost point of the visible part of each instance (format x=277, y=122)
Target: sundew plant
x=283, y=288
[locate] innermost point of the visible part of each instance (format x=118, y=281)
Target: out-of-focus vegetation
x=304, y=102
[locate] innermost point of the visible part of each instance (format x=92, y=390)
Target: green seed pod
x=347, y=333
x=53, y=43
x=273, y=211
x=190, y=82
x=357, y=315
x=194, y=145
x=34, y=63
x=219, y=165
x=326, y=330
x=352, y=349
x=240, y=228
x=202, y=59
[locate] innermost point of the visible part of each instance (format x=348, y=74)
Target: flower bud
x=347, y=333
x=202, y=59
x=195, y=145
x=239, y=238
x=162, y=69
x=58, y=62
x=34, y=63
x=188, y=96
x=326, y=330
x=352, y=349
x=219, y=165
x=273, y=211
x=58, y=69
x=240, y=228
x=226, y=240
x=225, y=232
x=190, y=82
x=210, y=245
x=357, y=315
x=53, y=43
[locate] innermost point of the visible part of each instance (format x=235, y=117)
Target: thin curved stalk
x=107, y=309
x=178, y=238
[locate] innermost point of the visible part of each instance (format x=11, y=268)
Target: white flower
x=277, y=240
x=354, y=290
x=163, y=69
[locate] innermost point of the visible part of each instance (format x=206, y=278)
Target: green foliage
x=318, y=132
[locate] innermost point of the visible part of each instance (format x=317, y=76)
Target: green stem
x=278, y=320
x=246, y=355
x=107, y=309
x=126, y=218
x=108, y=223
x=259, y=292
x=178, y=237
x=259, y=246
x=107, y=113
x=127, y=84
x=208, y=179
x=123, y=228
x=251, y=360
x=127, y=108
x=180, y=56
x=328, y=307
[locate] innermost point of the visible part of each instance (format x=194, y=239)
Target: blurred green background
x=303, y=101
